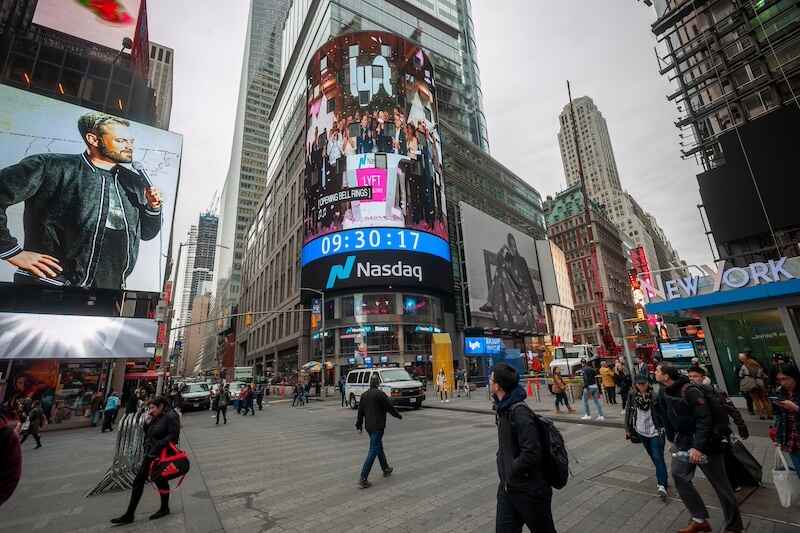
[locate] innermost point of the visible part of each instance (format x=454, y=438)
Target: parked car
x=196, y=396
x=398, y=385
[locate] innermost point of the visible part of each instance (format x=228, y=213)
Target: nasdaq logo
x=340, y=271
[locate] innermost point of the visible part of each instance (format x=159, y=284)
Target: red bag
x=171, y=464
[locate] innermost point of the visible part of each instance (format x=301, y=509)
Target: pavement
x=295, y=469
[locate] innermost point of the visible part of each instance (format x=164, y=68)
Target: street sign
x=150, y=345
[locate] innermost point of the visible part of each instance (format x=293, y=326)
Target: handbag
x=743, y=469
x=786, y=480
x=170, y=464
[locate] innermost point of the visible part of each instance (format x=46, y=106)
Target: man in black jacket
x=162, y=429
x=691, y=425
x=85, y=214
x=372, y=409
x=524, y=496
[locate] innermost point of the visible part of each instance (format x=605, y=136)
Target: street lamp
x=321, y=338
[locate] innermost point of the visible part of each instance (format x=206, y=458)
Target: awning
x=736, y=296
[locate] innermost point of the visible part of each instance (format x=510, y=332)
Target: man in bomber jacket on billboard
x=84, y=213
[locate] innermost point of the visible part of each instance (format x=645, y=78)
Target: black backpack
x=555, y=460
x=716, y=405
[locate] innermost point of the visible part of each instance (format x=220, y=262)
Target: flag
x=140, y=53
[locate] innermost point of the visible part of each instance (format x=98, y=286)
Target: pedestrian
x=372, y=409
x=249, y=401
x=241, y=401
x=132, y=403
x=786, y=433
x=343, y=389
x=35, y=422
x=10, y=453
x=624, y=382
x=220, y=404
x=260, y=396
x=307, y=391
x=560, y=390
x=609, y=385
x=299, y=393
x=698, y=426
x=441, y=384
x=110, y=412
x=460, y=381
x=524, y=497
x=318, y=387
x=96, y=408
x=590, y=389
x=747, y=398
x=753, y=380
x=641, y=368
x=161, y=429
x=644, y=424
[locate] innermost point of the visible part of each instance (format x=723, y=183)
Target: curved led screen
x=374, y=186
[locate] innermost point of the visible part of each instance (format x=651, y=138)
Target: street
x=296, y=469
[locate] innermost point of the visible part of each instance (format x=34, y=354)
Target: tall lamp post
x=321, y=338
x=171, y=309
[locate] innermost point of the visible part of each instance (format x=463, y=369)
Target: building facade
x=735, y=73
x=275, y=239
x=247, y=174
x=160, y=77
x=609, y=286
x=602, y=179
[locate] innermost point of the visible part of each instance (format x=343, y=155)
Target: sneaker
x=600, y=418
x=447, y=401
x=388, y=472
x=586, y=417
x=364, y=484
x=662, y=492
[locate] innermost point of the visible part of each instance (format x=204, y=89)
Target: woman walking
x=624, y=382
x=752, y=380
x=643, y=424
x=35, y=421
x=220, y=403
x=560, y=390
x=161, y=430
x=441, y=384
x=787, y=414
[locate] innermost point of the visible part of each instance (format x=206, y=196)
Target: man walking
x=372, y=411
x=110, y=413
x=696, y=425
x=590, y=388
x=36, y=420
x=523, y=496
x=342, y=390
x=220, y=403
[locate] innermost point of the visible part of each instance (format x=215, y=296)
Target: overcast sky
x=526, y=52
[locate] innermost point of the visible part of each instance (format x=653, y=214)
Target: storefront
x=754, y=308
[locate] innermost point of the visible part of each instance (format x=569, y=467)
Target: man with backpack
x=524, y=496
x=697, y=423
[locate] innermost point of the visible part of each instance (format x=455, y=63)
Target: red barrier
x=530, y=390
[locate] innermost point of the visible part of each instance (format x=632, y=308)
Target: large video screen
x=102, y=22
x=36, y=336
x=374, y=182
x=505, y=288
x=86, y=198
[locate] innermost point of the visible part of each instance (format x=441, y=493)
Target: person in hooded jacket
x=161, y=430
x=699, y=436
x=644, y=423
x=524, y=497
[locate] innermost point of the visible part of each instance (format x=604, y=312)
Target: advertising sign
x=505, y=289
x=86, y=198
x=35, y=336
x=483, y=346
x=105, y=22
x=374, y=184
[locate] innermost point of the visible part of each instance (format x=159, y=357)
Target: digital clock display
x=375, y=239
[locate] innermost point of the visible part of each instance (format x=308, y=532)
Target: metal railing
x=127, y=457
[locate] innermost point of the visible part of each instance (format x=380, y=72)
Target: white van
x=568, y=358
x=398, y=385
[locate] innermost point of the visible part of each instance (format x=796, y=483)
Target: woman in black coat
x=162, y=428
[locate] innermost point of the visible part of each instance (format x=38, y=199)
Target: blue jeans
x=655, y=449
x=595, y=393
x=375, y=450
x=795, y=457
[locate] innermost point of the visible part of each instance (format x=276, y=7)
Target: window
x=167, y=57
x=376, y=304
x=352, y=377
x=386, y=50
x=160, y=54
x=379, y=376
x=363, y=377
x=353, y=50
x=347, y=307
x=323, y=64
x=152, y=52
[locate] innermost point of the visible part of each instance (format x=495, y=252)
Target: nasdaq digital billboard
x=86, y=198
x=374, y=187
